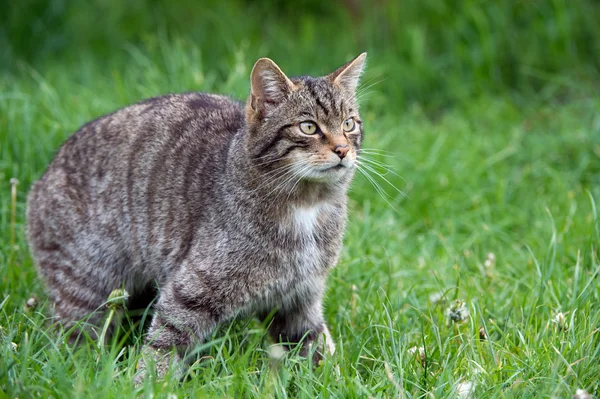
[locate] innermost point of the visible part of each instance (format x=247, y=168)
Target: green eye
x=308, y=127
x=349, y=125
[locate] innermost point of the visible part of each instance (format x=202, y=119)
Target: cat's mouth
x=328, y=171
x=333, y=168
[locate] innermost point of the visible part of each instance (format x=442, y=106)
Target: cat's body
x=207, y=200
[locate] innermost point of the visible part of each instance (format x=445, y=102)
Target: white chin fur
x=330, y=174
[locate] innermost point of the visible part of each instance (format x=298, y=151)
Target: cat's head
x=304, y=128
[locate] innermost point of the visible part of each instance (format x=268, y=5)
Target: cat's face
x=304, y=128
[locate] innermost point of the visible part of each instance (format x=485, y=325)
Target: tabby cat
x=212, y=208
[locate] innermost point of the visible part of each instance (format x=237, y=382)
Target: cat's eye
x=349, y=125
x=308, y=127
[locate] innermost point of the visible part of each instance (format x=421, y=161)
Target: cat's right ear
x=269, y=86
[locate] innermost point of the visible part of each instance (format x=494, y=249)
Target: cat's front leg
x=303, y=324
x=185, y=315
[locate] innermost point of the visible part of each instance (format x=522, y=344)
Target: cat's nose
x=341, y=150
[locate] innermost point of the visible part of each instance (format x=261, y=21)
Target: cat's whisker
x=280, y=188
x=385, y=171
x=300, y=174
x=362, y=91
x=370, y=80
x=307, y=171
x=374, y=152
x=282, y=172
x=373, y=161
x=272, y=176
x=292, y=174
x=266, y=180
x=373, y=149
x=272, y=173
x=371, y=169
x=377, y=187
x=388, y=168
x=367, y=84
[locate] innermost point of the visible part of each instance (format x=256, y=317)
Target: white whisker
x=368, y=84
x=376, y=151
x=379, y=190
x=306, y=172
x=388, y=168
x=273, y=175
x=293, y=173
x=386, y=180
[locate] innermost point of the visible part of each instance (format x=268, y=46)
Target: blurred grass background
x=489, y=110
x=432, y=52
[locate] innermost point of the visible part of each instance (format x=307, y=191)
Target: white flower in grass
x=457, y=312
x=582, y=394
x=465, y=389
x=490, y=261
x=31, y=303
x=560, y=319
x=421, y=351
x=14, y=346
x=436, y=297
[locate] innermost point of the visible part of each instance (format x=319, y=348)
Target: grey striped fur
x=225, y=209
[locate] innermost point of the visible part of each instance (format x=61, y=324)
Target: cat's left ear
x=348, y=75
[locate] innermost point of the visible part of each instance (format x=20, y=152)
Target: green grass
x=488, y=111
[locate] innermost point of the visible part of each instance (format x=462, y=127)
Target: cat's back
x=199, y=118
x=129, y=177
x=155, y=129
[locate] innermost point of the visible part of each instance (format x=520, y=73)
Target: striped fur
x=225, y=208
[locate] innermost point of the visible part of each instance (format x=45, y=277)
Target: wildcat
x=227, y=209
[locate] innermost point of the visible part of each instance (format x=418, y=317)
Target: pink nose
x=341, y=150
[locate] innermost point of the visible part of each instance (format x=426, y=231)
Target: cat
x=211, y=207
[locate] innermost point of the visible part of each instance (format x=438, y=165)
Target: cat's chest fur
x=313, y=230
x=300, y=254
x=305, y=224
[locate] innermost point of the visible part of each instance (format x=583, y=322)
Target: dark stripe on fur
x=170, y=335
x=169, y=150
x=311, y=88
x=199, y=303
x=275, y=139
x=291, y=148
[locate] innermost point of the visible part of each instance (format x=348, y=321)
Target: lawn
x=471, y=261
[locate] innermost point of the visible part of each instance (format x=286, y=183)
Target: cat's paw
x=164, y=363
x=325, y=347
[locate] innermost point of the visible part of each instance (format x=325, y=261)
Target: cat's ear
x=348, y=75
x=269, y=84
